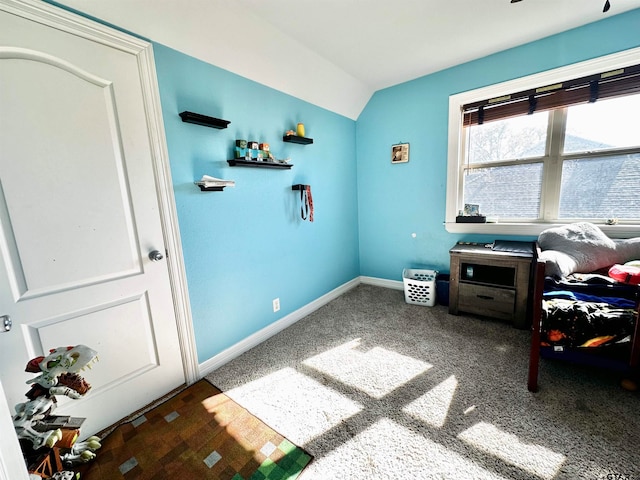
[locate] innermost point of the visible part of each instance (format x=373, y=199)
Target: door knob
x=6, y=323
x=155, y=256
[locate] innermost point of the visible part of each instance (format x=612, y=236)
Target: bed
x=580, y=313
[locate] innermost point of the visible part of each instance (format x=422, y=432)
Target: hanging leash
x=306, y=203
x=309, y=202
x=303, y=203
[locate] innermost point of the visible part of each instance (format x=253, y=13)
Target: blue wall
x=247, y=245
x=395, y=201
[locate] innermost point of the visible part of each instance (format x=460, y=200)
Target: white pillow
x=557, y=264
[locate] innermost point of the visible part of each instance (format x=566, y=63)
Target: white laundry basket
x=419, y=286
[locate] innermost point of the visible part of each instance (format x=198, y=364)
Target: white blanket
x=583, y=247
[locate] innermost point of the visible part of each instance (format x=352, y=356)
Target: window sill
x=534, y=229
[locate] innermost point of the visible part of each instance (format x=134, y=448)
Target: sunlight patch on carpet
x=389, y=450
x=535, y=459
x=377, y=372
x=295, y=405
x=433, y=407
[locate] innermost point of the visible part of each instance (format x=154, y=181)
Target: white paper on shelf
x=209, y=181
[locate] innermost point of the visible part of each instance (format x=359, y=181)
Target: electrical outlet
x=276, y=304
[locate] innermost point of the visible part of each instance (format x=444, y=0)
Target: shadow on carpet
x=199, y=433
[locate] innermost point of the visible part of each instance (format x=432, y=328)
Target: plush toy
x=65, y=475
x=34, y=423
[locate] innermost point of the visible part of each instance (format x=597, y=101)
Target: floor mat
x=198, y=434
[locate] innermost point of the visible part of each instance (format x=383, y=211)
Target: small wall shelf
x=297, y=139
x=210, y=189
x=198, y=119
x=258, y=164
x=299, y=186
x=212, y=184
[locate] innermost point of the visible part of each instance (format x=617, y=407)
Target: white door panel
x=78, y=216
x=128, y=351
x=95, y=166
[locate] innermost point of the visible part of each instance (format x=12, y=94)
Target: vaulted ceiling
x=337, y=53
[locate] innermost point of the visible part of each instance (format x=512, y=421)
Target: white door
x=79, y=216
x=11, y=462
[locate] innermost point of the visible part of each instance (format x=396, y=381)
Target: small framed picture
x=400, y=153
x=471, y=209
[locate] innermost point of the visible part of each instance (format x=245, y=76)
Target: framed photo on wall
x=400, y=153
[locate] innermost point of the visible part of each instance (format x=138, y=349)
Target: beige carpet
x=375, y=388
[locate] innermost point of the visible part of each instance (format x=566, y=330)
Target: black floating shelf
x=471, y=219
x=204, y=120
x=299, y=186
x=297, y=139
x=258, y=164
x=211, y=189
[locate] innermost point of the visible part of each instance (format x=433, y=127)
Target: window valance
x=615, y=83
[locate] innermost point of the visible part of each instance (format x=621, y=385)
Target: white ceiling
x=337, y=53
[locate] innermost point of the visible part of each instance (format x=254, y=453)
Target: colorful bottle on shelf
x=300, y=130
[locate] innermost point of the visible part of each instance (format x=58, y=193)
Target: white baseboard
x=382, y=282
x=260, y=336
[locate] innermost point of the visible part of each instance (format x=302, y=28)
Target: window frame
x=456, y=140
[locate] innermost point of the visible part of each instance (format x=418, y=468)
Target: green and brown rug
x=200, y=433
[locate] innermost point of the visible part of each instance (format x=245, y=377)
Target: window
x=530, y=160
